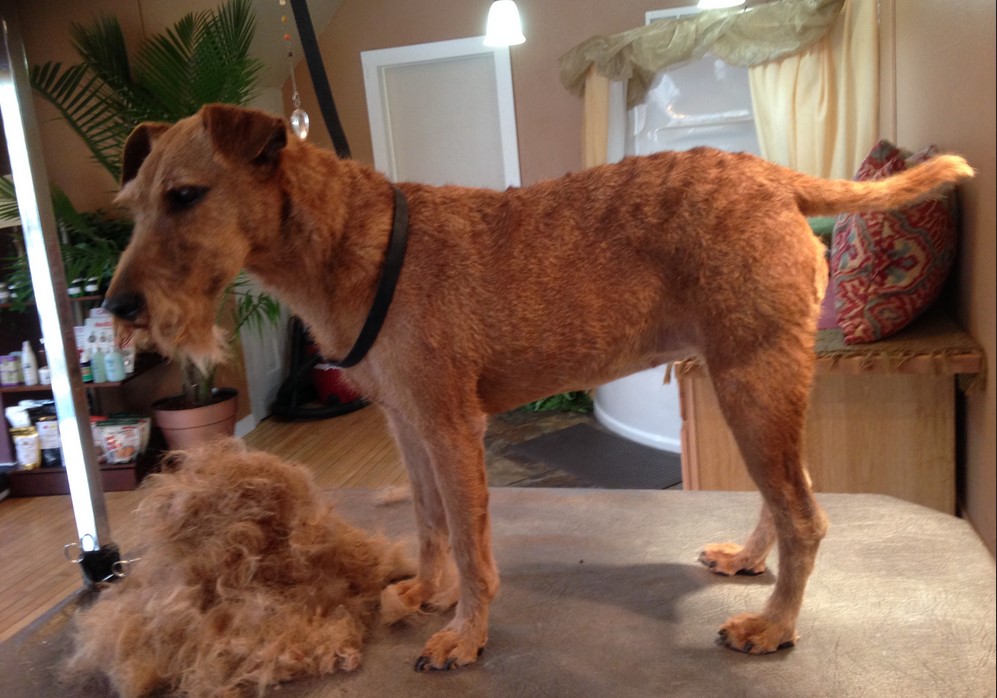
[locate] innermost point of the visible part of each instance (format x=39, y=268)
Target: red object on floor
x=329, y=383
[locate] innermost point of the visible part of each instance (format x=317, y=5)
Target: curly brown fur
x=506, y=297
x=249, y=579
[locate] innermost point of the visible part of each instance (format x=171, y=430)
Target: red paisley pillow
x=888, y=268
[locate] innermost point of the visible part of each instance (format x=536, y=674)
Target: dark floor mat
x=603, y=459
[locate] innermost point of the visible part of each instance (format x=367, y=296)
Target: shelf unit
x=49, y=481
x=143, y=362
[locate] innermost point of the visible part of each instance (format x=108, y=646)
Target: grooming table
x=602, y=596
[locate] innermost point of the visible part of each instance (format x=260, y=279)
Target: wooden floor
x=354, y=450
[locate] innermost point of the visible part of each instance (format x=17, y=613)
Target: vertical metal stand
x=48, y=277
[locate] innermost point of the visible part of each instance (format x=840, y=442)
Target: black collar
x=386, y=288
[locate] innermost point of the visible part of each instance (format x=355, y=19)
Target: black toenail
x=449, y=664
x=748, y=646
x=787, y=644
x=749, y=573
x=422, y=663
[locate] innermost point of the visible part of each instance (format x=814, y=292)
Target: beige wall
x=548, y=119
x=945, y=84
x=46, y=29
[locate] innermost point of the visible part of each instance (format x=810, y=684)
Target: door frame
x=375, y=62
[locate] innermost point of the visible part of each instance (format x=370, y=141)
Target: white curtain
x=595, y=119
x=818, y=111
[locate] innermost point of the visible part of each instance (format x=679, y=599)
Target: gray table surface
x=602, y=596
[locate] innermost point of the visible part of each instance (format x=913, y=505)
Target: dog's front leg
x=447, y=466
x=434, y=586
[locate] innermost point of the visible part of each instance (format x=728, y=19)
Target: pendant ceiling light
x=504, y=26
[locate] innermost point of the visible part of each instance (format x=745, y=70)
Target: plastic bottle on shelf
x=114, y=364
x=10, y=371
x=97, y=365
x=85, y=369
x=29, y=365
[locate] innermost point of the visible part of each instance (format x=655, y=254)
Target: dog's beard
x=178, y=331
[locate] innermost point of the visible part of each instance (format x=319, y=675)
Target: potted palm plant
x=203, y=58
x=92, y=241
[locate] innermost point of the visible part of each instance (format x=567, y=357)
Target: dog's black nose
x=126, y=306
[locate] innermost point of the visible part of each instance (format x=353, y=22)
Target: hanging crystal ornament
x=299, y=117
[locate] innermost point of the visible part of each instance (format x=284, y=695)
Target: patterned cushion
x=888, y=268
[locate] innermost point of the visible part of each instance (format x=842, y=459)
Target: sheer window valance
x=740, y=37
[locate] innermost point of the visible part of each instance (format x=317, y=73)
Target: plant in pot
x=91, y=243
x=203, y=411
x=203, y=58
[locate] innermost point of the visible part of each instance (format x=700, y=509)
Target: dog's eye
x=184, y=197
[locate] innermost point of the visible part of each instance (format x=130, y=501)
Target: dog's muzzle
x=127, y=305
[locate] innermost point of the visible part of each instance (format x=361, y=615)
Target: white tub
x=640, y=407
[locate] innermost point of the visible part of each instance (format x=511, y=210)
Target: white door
x=443, y=113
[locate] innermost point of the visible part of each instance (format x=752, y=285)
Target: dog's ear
x=245, y=134
x=137, y=148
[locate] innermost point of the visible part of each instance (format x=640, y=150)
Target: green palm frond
x=91, y=242
x=8, y=200
x=203, y=58
x=87, y=105
x=252, y=308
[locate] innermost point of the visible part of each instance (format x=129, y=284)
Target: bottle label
x=114, y=366
x=48, y=433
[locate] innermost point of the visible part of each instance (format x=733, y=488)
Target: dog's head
x=201, y=192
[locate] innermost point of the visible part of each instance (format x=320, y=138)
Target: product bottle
x=27, y=446
x=44, y=374
x=97, y=365
x=29, y=366
x=85, y=371
x=114, y=364
x=50, y=441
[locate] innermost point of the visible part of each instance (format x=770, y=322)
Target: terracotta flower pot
x=184, y=427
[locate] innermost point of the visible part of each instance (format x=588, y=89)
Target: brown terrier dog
x=506, y=297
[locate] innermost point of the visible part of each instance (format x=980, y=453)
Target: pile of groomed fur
x=248, y=579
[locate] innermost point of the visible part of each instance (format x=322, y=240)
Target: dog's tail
x=829, y=197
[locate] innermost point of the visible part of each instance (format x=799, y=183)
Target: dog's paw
x=401, y=600
x=451, y=648
x=728, y=559
x=754, y=634
x=410, y=596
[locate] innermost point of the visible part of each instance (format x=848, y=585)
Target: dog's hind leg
x=451, y=490
x=764, y=395
x=729, y=559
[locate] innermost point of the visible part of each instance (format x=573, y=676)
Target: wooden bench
x=882, y=417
